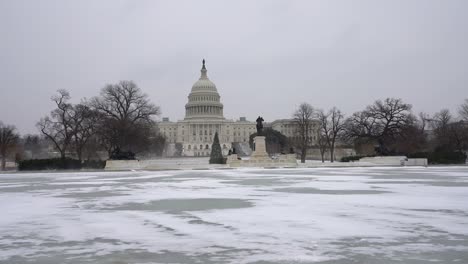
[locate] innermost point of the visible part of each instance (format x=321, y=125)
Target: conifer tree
x=216, y=156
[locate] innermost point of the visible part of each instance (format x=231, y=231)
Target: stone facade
x=289, y=128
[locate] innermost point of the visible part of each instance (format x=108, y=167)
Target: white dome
x=204, y=100
x=203, y=85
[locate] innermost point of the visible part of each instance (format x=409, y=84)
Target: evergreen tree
x=216, y=156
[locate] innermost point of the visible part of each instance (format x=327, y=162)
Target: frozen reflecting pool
x=326, y=215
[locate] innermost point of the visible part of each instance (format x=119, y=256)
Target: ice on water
x=326, y=215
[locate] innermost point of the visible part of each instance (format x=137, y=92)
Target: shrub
x=441, y=157
x=117, y=154
x=93, y=164
x=354, y=158
x=58, y=164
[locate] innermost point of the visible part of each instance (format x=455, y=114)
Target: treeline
x=120, y=121
x=386, y=127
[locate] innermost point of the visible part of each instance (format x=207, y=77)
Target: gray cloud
x=265, y=57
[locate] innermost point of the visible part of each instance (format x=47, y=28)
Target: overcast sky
x=266, y=57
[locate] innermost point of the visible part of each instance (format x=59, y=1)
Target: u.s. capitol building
x=204, y=116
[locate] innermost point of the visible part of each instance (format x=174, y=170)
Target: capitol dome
x=204, y=101
x=203, y=84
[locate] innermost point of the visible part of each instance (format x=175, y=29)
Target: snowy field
x=326, y=215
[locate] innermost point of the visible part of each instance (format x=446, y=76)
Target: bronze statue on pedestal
x=260, y=126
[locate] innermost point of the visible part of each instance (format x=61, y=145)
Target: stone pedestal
x=260, y=158
x=260, y=147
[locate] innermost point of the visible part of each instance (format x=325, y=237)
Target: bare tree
x=58, y=127
x=380, y=122
x=125, y=101
x=83, y=122
x=463, y=110
x=458, y=135
x=303, y=118
x=424, y=119
x=322, y=144
x=410, y=140
x=440, y=126
x=8, y=140
x=332, y=126
x=126, y=114
x=412, y=136
x=450, y=135
x=158, y=142
x=441, y=119
x=32, y=144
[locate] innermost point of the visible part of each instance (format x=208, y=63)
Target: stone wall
x=162, y=164
x=416, y=162
x=385, y=160
x=314, y=153
x=122, y=165
x=288, y=160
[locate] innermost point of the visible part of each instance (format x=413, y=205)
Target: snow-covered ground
x=324, y=215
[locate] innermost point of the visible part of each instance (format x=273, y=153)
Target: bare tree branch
x=58, y=127
x=303, y=118
x=124, y=112
x=463, y=110
x=8, y=140
x=332, y=126
x=380, y=122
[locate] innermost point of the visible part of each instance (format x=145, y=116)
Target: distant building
x=289, y=128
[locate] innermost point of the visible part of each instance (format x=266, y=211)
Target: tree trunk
x=332, y=153
x=303, y=155
x=3, y=162
x=323, y=156
x=79, y=154
x=3, y=153
x=382, y=148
